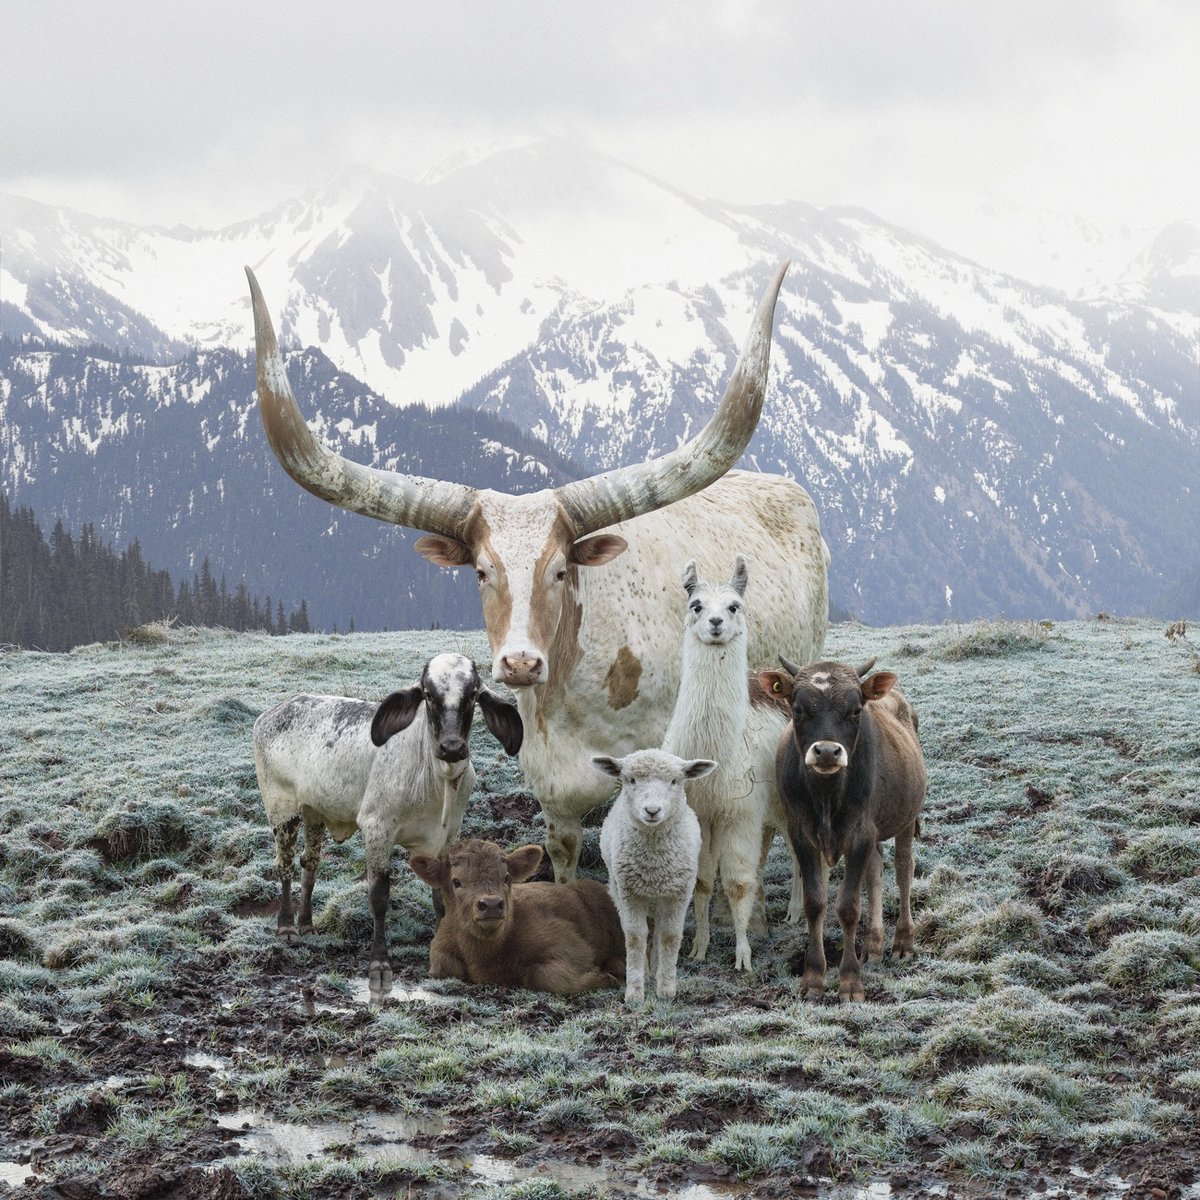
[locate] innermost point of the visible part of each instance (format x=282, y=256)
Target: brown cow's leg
x=815, y=877
x=564, y=837
x=285, y=859
x=873, y=943
x=849, y=906
x=310, y=860
x=379, y=886
x=902, y=944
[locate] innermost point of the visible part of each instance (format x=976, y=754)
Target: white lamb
x=650, y=842
x=714, y=718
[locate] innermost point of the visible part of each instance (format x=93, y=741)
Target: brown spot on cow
x=623, y=678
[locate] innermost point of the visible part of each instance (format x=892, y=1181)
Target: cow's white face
x=525, y=556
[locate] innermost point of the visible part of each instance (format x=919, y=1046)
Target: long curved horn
x=411, y=500
x=626, y=492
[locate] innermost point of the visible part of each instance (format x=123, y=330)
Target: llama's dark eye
x=696, y=606
x=733, y=608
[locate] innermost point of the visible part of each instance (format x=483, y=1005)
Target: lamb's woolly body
x=651, y=867
x=737, y=805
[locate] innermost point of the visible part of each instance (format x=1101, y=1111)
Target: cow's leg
x=285, y=861
x=814, y=874
x=310, y=860
x=706, y=874
x=902, y=944
x=668, y=937
x=849, y=907
x=379, y=888
x=564, y=837
x=738, y=854
x=873, y=943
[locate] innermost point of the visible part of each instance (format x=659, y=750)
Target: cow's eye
x=856, y=712
x=507, y=880
x=560, y=574
x=457, y=882
x=481, y=574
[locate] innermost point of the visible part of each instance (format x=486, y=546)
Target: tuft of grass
x=147, y=829
x=993, y=639
x=1164, y=854
x=1149, y=959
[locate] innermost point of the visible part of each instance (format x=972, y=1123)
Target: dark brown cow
x=851, y=775
x=498, y=929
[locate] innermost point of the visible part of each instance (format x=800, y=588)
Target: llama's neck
x=713, y=702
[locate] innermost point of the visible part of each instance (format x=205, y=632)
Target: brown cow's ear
x=432, y=870
x=775, y=683
x=522, y=863
x=443, y=551
x=594, y=551
x=878, y=685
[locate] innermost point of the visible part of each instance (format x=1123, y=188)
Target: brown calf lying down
x=549, y=937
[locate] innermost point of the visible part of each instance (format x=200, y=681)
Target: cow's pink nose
x=520, y=670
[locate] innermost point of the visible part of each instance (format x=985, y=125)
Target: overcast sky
x=207, y=112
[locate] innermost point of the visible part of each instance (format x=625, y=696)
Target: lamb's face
x=716, y=612
x=652, y=783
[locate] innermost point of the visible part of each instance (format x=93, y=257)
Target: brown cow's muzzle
x=489, y=910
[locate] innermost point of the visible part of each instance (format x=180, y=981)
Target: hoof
x=742, y=962
x=307, y=930
x=287, y=933
x=873, y=952
x=379, y=978
x=634, y=995
x=697, y=952
x=851, y=991
x=812, y=987
x=903, y=952
x=795, y=916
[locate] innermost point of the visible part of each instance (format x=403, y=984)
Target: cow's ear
x=776, y=683
x=443, y=551
x=594, y=551
x=395, y=714
x=433, y=871
x=876, y=686
x=502, y=718
x=522, y=863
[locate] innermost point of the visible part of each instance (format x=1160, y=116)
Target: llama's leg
x=758, y=917
x=902, y=945
x=668, y=936
x=310, y=860
x=705, y=877
x=737, y=853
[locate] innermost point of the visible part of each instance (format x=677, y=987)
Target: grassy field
x=155, y=1040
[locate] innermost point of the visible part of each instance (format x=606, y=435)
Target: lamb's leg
x=668, y=937
x=379, y=885
x=902, y=944
x=815, y=875
x=310, y=860
x=706, y=874
x=633, y=920
x=285, y=860
x=564, y=837
x=873, y=942
x=737, y=850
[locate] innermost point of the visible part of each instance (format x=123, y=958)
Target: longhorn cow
x=578, y=583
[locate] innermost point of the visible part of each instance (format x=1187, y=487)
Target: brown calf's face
x=827, y=701
x=525, y=556
x=476, y=879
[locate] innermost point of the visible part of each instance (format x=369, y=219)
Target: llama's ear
x=740, y=577
x=690, y=578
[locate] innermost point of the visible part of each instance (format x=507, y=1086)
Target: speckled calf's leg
x=310, y=860
x=285, y=860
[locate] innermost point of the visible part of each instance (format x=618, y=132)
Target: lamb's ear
x=523, y=862
x=690, y=578
x=502, y=718
x=434, y=871
x=740, y=576
x=395, y=714
x=443, y=551
x=775, y=683
x=697, y=768
x=878, y=685
x=609, y=766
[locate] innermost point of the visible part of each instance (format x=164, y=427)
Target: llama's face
x=716, y=612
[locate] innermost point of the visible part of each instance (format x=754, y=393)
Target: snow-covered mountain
x=976, y=444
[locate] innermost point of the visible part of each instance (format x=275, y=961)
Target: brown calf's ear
x=594, y=551
x=775, y=683
x=443, y=551
x=432, y=870
x=523, y=862
x=395, y=714
x=502, y=718
x=878, y=685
